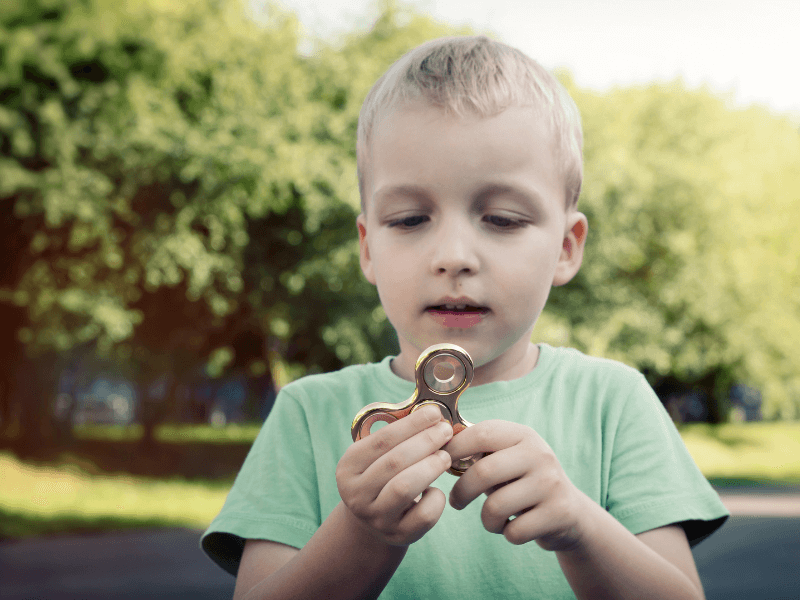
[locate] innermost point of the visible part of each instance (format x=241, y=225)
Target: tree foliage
x=691, y=269
x=178, y=178
x=178, y=196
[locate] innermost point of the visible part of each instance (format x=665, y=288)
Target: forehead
x=419, y=146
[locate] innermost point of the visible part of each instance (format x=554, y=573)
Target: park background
x=177, y=206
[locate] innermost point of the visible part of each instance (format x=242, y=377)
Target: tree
x=176, y=178
x=691, y=260
x=134, y=153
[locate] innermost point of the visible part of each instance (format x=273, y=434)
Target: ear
x=363, y=249
x=569, y=262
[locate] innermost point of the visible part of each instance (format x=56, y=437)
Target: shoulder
x=574, y=364
x=596, y=386
x=318, y=407
x=347, y=378
x=330, y=395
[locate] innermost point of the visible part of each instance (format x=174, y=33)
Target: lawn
x=172, y=434
x=38, y=499
x=746, y=453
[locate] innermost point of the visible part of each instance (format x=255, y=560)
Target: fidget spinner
x=442, y=373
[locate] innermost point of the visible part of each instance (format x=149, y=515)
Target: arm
x=340, y=561
x=529, y=497
x=613, y=563
x=358, y=547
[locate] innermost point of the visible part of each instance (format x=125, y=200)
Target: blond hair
x=479, y=76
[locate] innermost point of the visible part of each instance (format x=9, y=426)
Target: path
x=755, y=556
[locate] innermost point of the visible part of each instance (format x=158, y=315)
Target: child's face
x=465, y=232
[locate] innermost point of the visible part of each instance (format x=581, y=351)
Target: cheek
x=529, y=263
x=396, y=291
x=530, y=275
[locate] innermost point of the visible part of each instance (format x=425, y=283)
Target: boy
x=469, y=159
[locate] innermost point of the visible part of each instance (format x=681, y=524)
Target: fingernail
x=432, y=413
x=445, y=428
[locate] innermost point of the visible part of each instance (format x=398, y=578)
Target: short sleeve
x=653, y=479
x=274, y=496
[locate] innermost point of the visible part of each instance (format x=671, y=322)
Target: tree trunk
x=38, y=432
x=153, y=411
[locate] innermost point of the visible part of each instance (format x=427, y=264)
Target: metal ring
x=444, y=373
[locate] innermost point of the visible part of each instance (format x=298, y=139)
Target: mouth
x=458, y=308
x=459, y=315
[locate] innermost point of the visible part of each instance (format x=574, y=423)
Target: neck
x=512, y=364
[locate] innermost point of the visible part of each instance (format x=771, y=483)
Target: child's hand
x=523, y=481
x=381, y=475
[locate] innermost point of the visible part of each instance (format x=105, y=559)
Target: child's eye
x=409, y=222
x=504, y=222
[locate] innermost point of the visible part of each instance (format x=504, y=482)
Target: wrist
x=580, y=532
x=366, y=535
x=340, y=560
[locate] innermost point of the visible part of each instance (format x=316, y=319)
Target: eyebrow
x=394, y=191
x=531, y=197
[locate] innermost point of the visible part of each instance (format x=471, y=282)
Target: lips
x=457, y=313
x=458, y=308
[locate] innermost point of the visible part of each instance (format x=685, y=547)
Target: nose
x=455, y=250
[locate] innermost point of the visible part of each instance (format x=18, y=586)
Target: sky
x=745, y=50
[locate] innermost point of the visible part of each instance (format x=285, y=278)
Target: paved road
x=750, y=558
x=155, y=565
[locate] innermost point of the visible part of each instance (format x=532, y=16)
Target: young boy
x=470, y=167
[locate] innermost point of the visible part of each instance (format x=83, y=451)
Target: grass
x=172, y=434
x=74, y=495
x=742, y=453
x=39, y=499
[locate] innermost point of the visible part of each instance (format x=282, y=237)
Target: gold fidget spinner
x=442, y=373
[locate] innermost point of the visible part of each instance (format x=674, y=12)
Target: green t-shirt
x=605, y=424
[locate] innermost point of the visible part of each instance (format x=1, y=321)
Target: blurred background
x=177, y=238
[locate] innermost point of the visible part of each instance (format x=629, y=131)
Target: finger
x=531, y=525
x=400, y=492
x=486, y=436
x=512, y=500
x=492, y=471
x=368, y=449
x=422, y=516
x=410, y=452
